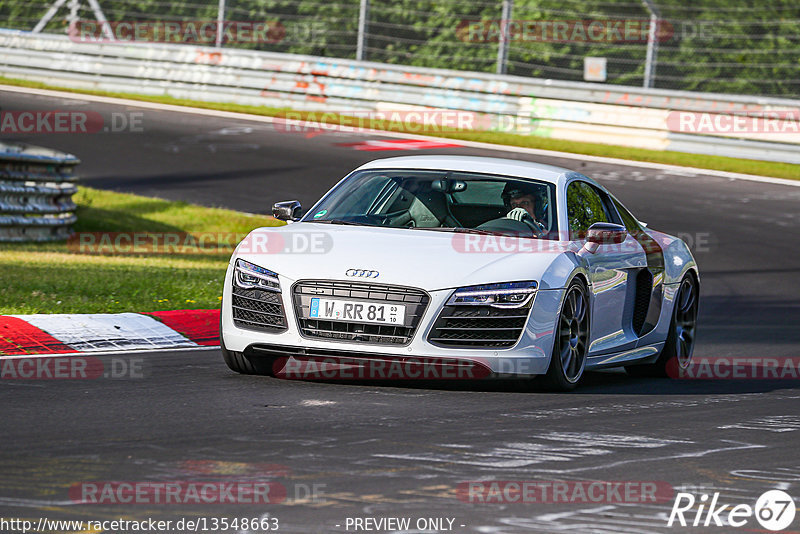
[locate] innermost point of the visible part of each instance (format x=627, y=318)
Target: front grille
x=258, y=309
x=414, y=300
x=478, y=326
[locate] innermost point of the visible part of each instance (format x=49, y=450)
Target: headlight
x=505, y=295
x=249, y=276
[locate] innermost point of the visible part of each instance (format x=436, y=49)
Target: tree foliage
x=727, y=46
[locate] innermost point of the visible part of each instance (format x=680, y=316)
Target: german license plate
x=362, y=312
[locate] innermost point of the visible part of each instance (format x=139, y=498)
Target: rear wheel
x=679, y=346
x=571, y=341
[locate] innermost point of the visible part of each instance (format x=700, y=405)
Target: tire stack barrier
x=36, y=188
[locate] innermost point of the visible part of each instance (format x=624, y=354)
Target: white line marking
x=550, y=447
x=771, y=423
x=470, y=144
x=699, y=454
x=562, y=515
x=314, y=402
x=781, y=474
x=33, y=503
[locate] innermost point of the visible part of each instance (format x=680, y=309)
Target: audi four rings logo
x=362, y=273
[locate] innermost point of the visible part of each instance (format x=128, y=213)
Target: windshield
x=442, y=200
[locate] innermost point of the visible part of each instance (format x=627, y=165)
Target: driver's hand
x=518, y=214
x=522, y=215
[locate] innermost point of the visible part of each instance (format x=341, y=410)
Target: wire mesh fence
x=726, y=46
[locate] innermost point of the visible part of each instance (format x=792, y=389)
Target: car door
x=646, y=312
x=612, y=269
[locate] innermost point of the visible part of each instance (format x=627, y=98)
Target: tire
x=238, y=362
x=679, y=345
x=571, y=340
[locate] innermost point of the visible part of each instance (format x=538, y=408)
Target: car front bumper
x=530, y=355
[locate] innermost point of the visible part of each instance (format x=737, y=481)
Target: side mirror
x=606, y=233
x=603, y=233
x=288, y=210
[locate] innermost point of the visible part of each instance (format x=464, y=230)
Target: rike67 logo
x=774, y=510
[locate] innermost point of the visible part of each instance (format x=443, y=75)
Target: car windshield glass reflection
x=440, y=200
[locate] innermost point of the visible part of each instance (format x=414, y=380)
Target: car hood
x=418, y=258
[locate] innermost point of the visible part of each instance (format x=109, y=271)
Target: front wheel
x=238, y=362
x=679, y=346
x=571, y=341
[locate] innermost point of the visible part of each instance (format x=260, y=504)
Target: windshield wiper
x=454, y=230
x=340, y=221
x=432, y=229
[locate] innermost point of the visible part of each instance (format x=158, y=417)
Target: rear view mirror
x=288, y=210
x=446, y=185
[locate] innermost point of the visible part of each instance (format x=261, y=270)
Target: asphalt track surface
x=401, y=450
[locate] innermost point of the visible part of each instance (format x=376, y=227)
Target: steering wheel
x=511, y=227
x=537, y=230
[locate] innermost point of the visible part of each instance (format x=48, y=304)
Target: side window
x=584, y=208
x=628, y=219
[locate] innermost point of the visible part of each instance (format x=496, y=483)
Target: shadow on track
x=613, y=382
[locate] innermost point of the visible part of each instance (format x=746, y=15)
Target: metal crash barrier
x=656, y=119
x=36, y=188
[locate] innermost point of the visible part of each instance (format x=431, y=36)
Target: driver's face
x=525, y=202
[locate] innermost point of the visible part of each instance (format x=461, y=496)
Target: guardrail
x=611, y=114
x=36, y=188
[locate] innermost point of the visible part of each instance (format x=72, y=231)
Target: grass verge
x=60, y=278
x=721, y=163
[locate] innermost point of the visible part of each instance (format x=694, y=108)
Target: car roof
x=500, y=166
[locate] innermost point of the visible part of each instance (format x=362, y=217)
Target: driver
x=522, y=204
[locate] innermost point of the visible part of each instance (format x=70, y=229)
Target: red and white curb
x=107, y=332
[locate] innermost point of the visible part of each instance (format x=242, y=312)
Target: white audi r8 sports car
x=424, y=264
